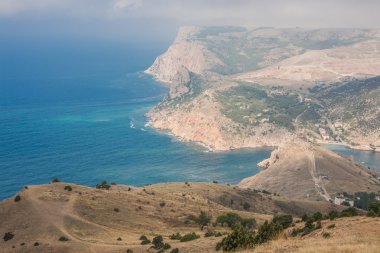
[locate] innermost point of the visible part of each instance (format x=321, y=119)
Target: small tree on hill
x=204, y=219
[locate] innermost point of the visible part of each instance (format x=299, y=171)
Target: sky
x=160, y=19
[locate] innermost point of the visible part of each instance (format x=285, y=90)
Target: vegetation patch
x=189, y=237
x=8, y=236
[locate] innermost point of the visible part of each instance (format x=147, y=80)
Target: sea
x=74, y=110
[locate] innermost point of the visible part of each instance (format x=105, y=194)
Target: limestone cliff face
x=185, y=55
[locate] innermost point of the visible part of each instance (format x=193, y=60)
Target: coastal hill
x=305, y=171
x=61, y=217
x=239, y=87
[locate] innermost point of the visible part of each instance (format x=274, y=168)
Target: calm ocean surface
x=75, y=111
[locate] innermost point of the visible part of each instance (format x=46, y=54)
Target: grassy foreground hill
x=62, y=217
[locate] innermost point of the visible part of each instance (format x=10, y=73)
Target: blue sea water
x=64, y=114
x=74, y=110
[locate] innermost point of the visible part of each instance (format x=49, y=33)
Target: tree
x=284, y=220
x=204, y=219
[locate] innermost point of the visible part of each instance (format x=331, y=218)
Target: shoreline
x=359, y=148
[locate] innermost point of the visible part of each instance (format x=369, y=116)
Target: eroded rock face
x=185, y=55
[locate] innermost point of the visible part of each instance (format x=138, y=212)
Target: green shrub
x=176, y=250
x=166, y=246
x=116, y=209
x=36, y=244
x=333, y=215
x=68, y=188
x=189, y=237
x=246, y=206
x=240, y=238
x=326, y=235
x=119, y=239
x=349, y=212
x=129, y=251
x=176, y=236
x=63, y=239
x=158, y=242
x=317, y=216
x=103, y=185
x=145, y=242
x=204, y=219
x=8, y=236
x=331, y=226
x=162, y=204
x=374, y=206
x=17, y=198
x=231, y=219
x=248, y=223
x=267, y=232
x=284, y=220
x=55, y=180
x=305, y=217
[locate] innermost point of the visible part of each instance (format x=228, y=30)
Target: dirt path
x=318, y=182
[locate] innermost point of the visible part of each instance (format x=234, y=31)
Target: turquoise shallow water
x=101, y=139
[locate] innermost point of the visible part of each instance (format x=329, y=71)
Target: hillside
x=236, y=87
x=304, y=171
x=93, y=219
x=96, y=220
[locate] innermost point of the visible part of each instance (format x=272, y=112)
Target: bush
x=158, y=242
x=8, y=236
x=55, y=180
x=176, y=250
x=331, y=226
x=68, y=188
x=305, y=217
x=189, y=237
x=63, y=239
x=116, y=209
x=119, y=239
x=166, y=246
x=175, y=236
x=162, y=204
x=267, y=232
x=129, y=251
x=231, y=219
x=246, y=206
x=144, y=240
x=36, y=244
x=17, y=198
x=374, y=206
x=349, y=212
x=248, y=223
x=204, y=219
x=240, y=238
x=212, y=233
x=333, y=215
x=284, y=220
x=103, y=185
x=317, y=216
x=326, y=235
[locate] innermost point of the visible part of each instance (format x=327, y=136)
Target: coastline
x=358, y=148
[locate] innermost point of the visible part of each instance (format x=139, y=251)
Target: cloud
x=128, y=4
x=279, y=13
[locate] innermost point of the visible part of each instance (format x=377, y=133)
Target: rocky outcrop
x=183, y=57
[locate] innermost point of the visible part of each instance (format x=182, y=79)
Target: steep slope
x=236, y=87
x=304, y=171
x=92, y=219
